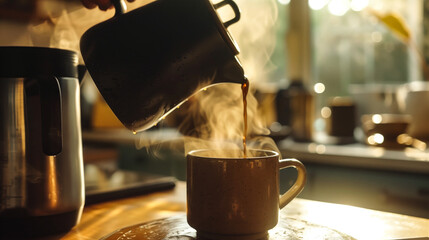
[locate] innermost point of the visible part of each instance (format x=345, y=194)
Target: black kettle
x=150, y=60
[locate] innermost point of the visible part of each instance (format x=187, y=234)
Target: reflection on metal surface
x=52, y=187
x=177, y=228
x=13, y=149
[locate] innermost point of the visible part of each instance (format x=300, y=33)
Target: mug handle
x=297, y=187
x=234, y=8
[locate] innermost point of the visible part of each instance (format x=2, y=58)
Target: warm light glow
x=420, y=145
x=316, y=148
x=320, y=149
x=377, y=118
x=359, y=5
x=378, y=152
x=371, y=140
x=404, y=139
x=276, y=127
x=317, y=4
x=312, y=147
x=376, y=139
x=339, y=7
x=284, y=2
x=319, y=87
x=376, y=37
x=347, y=219
x=416, y=154
x=326, y=112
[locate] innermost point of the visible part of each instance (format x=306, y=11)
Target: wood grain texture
x=102, y=219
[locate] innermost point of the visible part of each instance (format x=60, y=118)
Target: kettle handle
x=234, y=8
x=120, y=7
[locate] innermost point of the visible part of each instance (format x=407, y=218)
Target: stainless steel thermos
x=41, y=172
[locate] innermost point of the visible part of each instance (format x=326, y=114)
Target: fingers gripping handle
x=299, y=183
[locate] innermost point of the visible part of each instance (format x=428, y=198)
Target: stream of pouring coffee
x=245, y=90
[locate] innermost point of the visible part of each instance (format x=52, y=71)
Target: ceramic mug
x=235, y=197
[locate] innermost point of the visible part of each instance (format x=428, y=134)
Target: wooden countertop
x=101, y=219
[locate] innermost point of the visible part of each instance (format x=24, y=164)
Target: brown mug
x=235, y=197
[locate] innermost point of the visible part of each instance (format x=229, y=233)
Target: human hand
x=102, y=4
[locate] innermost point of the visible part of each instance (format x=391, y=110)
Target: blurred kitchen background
x=340, y=84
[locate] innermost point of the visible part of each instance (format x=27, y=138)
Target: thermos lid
x=37, y=61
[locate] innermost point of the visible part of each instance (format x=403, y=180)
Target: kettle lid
x=37, y=61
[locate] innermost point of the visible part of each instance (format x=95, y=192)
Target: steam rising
x=217, y=113
x=213, y=118
x=255, y=34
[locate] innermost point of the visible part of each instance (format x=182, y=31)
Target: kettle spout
x=231, y=72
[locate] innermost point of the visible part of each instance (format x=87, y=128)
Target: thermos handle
x=50, y=106
x=44, y=100
x=120, y=7
x=234, y=8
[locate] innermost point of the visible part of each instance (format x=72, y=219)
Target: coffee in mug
x=237, y=197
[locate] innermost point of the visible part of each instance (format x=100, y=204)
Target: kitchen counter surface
x=101, y=219
x=409, y=160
